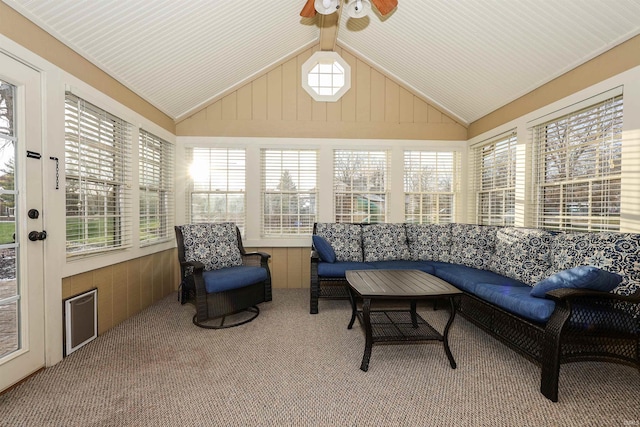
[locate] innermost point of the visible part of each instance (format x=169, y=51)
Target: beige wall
x=610, y=63
x=26, y=33
x=290, y=267
x=275, y=105
x=127, y=288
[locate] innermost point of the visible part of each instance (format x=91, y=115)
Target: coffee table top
x=398, y=284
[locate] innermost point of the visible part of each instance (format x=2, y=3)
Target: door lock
x=33, y=213
x=37, y=235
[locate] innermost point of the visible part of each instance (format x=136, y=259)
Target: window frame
x=423, y=159
x=301, y=166
x=346, y=195
x=487, y=183
x=580, y=215
x=231, y=174
x=94, y=138
x=155, y=179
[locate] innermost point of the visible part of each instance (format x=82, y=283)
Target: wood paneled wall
x=290, y=267
x=127, y=288
x=275, y=105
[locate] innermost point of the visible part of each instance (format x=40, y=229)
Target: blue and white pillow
x=429, y=242
x=384, y=242
x=345, y=239
x=324, y=248
x=615, y=252
x=214, y=245
x=522, y=254
x=472, y=245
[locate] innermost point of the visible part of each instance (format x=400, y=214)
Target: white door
x=21, y=259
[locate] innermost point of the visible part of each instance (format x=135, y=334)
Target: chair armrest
x=197, y=265
x=260, y=259
x=194, y=276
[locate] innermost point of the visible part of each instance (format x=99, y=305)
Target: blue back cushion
x=324, y=248
x=583, y=277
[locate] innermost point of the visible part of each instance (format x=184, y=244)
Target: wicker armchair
x=223, y=281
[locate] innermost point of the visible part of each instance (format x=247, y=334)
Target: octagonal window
x=326, y=76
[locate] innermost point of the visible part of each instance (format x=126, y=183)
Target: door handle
x=37, y=235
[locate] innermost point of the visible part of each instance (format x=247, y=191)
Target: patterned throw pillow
x=384, y=242
x=429, y=242
x=472, y=245
x=615, y=252
x=214, y=245
x=345, y=239
x=522, y=254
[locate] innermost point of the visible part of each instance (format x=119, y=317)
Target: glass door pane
x=9, y=290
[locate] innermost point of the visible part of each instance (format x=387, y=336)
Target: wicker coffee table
x=398, y=325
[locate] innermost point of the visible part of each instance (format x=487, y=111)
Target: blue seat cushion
x=228, y=278
x=517, y=300
x=467, y=278
x=404, y=265
x=338, y=269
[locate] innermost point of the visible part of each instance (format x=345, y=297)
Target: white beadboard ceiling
x=468, y=57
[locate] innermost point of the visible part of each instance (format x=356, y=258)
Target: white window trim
x=325, y=148
x=325, y=57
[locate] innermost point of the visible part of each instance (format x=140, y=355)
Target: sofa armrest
x=564, y=294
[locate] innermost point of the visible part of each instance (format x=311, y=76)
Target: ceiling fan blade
x=385, y=6
x=308, y=11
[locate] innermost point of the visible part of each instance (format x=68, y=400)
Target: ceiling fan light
x=326, y=7
x=358, y=8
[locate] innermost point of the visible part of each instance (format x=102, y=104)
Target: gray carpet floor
x=289, y=368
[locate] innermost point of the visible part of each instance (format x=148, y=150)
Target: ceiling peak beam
x=329, y=30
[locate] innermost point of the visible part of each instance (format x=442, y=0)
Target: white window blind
x=495, y=180
x=98, y=172
x=156, y=189
x=430, y=182
x=360, y=186
x=289, y=191
x=578, y=169
x=217, y=185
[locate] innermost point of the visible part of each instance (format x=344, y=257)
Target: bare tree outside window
x=360, y=179
x=429, y=185
x=580, y=158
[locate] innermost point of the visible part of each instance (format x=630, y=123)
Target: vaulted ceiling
x=468, y=57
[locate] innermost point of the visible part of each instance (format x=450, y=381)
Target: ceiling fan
x=357, y=8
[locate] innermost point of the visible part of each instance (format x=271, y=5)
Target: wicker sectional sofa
x=547, y=295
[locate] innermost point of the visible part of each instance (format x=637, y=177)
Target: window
x=289, y=203
x=360, y=186
x=495, y=181
x=98, y=201
x=429, y=186
x=579, y=169
x=156, y=189
x=326, y=76
x=217, y=190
